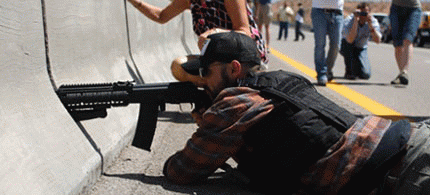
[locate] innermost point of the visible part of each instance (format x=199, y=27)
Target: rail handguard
x=88, y=101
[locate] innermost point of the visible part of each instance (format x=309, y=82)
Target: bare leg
x=267, y=35
x=404, y=55
x=260, y=29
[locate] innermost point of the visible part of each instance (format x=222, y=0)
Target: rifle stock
x=89, y=101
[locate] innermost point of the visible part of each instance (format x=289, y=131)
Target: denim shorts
x=404, y=23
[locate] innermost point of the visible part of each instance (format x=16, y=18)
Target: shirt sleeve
x=219, y=136
x=375, y=24
x=347, y=25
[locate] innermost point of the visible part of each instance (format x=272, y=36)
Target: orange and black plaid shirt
x=346, y=157
x=219, y=136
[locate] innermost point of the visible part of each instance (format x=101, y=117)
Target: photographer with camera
x=359, y=27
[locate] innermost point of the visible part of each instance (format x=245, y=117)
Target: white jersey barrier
x=48, y=43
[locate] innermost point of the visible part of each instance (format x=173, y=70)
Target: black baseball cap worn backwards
x=224, y=47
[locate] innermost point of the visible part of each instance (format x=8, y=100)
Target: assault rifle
x=88, y=101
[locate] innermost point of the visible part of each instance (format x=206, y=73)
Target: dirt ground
x=376, y=7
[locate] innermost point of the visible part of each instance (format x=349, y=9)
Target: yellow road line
x=359, y=99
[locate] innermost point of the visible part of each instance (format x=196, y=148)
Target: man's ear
x=236, y=69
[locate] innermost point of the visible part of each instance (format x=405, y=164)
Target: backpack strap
x=299, y=93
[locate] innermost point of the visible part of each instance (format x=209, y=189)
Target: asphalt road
x=140, y=172
x=410, y=101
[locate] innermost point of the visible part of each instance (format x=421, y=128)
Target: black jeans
x=283, y=28
x=356, y=60
x=299, y=31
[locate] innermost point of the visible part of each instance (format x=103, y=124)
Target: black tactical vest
x=298, y=132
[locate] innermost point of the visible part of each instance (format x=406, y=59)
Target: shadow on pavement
x=219, y=183
x=396, y=118
x=352, y=82
x=175, y=117
x=343, y=81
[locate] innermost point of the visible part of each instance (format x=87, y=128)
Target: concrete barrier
x=154, y=46
x=51, y=42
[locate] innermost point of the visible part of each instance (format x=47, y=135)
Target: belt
x=336, y=11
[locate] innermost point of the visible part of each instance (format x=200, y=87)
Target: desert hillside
x=377, y=7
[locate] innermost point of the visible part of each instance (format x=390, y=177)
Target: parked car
x=384, y=24
x=386, y=30
x=380, y=16
x=423, y=33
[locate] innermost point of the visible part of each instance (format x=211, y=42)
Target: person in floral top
x=209, y=16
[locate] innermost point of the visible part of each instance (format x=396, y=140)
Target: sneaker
x=402, y=78
x=350, y=77
x=322, y=81
x=330, y=76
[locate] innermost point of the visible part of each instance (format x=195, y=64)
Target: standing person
x=264, y=18
x=299, y=22
x=358, y=28
x=285, y=15
x=228, y=15
x=405, y=17
x=327, y=19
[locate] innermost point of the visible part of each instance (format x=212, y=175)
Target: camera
x=362, y=13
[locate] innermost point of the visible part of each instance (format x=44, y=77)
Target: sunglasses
x=204, y=71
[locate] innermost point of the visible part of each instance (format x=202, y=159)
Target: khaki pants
x=265, y=15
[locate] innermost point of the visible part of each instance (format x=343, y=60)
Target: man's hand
x=369, y=20
x=197, y=115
